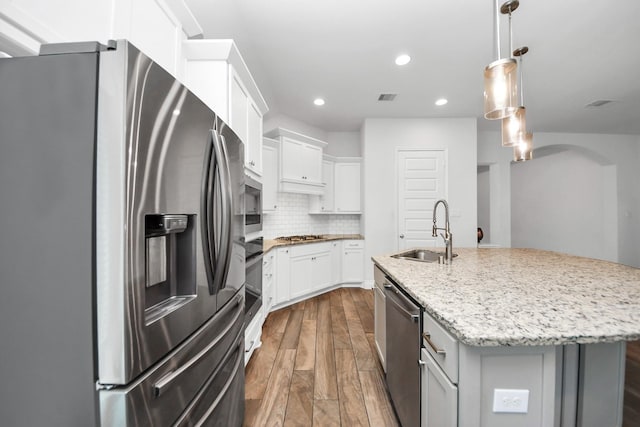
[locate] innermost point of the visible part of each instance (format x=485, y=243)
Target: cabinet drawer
x=310, y=249
x=442, y=346
x=378, y=277
x=353, y=244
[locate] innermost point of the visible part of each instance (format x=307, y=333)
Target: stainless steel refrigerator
x=122, y=245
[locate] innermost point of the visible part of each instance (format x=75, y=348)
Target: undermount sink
x=422, y=255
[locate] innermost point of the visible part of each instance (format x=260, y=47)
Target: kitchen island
x=522, y=319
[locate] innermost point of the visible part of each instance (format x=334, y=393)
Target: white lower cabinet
x=253, y=335
x=439, y=404
x=380, y=317
x=268, y=279
x=282, y=283
x=336, y=262
x=353, y=261
x=310, y=269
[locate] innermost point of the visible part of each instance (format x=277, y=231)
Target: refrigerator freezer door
x=201, y=381
x=152, y=142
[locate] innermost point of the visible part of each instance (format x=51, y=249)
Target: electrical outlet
x=510, y=401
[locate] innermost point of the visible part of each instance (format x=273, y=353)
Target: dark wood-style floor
x=317, y=366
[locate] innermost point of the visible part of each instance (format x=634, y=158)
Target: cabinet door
x=353, y=265
x=347, y=187
x=293, y=160
x=300, y=274
x=439, y=396
x=253, y=148
x=283, y=278
x=326, y=200
x=238, y=108
x=379, y=324
x=336, y=262
x=320, y=271
x=312, y=164
x=269, y=179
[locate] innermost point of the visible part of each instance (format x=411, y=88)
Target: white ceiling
x=344, y=51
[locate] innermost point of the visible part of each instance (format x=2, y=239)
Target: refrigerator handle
x=222, y=258
x=228, y=210
x=206, y=211
x=165, y=382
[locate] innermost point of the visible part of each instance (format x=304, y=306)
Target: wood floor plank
x=292, y=331
x=311, y=309
x=299, y=305
x=372, y=344
x=273, y=405
x=325, y=382
x=326, y=413
x=341, y=337
x=300, y=404
x=276, y=321
x=365, y=358
x=306, y=355
x=260, y=366
x=251, y=407
x=631, y=409
x=366, y=316
x=324, y=314
x=351, y=400
x=376, y=400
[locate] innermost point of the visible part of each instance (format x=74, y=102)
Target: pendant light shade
x=500, y=89
x=513, y=127
x=523, y=151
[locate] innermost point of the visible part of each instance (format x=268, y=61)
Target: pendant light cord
x=496, y=26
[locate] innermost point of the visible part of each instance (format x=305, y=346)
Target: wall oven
x=253, y=205
x=253, y=285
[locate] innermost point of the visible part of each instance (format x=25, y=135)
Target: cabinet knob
x=402, y=236
x=275, y=206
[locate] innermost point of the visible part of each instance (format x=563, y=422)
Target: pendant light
x=500, y=78
x=523, y=151
x=515, y=125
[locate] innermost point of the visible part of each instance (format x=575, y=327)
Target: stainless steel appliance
x=253, y=284
x=403, y=329
x=253, y=205
x=122, y=257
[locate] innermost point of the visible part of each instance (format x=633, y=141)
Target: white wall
x=565, y=212
x=621, y=152
x=381, y=139
x=343, y=144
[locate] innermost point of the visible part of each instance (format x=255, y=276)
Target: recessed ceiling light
x=442, y=101
x=318, y=101
x=403, y=60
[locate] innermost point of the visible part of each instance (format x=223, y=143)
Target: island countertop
x=522, y=297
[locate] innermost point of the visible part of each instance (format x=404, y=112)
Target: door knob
x=402, y=236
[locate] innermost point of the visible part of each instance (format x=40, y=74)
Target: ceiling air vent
x=598, y=103
x=387, y=96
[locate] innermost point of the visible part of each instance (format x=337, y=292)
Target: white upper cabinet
x=300, y=162
x=341, y=176
x=217, y=74
x=324, y=202
x=347, y=188
x=157, y=28
x=269, y=175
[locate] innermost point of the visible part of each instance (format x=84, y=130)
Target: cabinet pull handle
x=427, y=337
x=421, y=362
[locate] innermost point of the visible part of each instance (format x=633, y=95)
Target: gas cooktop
x=302, y=238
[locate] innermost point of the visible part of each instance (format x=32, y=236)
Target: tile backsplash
x=292, y=217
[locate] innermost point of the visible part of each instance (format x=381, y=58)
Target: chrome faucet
x=447, y=236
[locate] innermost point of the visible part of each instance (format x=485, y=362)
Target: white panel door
x=421, y=182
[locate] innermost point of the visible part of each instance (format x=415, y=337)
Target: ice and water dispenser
x=170, y=263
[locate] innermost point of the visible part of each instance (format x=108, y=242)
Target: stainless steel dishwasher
x=403, y=353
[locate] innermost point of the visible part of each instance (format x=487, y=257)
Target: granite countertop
x=514, y=297
x=269, y=244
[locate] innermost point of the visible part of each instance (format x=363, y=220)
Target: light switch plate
x=510, y=401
